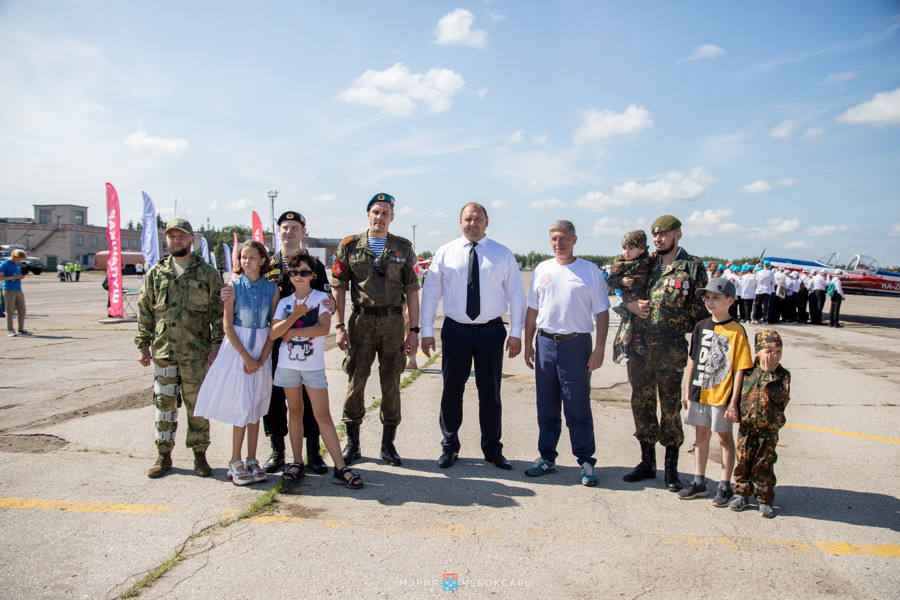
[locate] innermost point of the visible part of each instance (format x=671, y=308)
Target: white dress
x=228, y=394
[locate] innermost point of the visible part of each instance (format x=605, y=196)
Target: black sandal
x=354, y=483
x=289, y=475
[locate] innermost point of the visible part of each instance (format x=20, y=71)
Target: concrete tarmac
x=80, y=519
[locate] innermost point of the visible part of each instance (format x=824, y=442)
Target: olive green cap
x=182, y=224
x=665, y=224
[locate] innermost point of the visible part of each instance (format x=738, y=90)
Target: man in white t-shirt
x=568, y=300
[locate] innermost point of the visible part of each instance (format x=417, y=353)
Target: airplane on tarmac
x=861, y=276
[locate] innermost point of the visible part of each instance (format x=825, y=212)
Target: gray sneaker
x=722, y=497
x=11, y=333
x=738, y=503
x=540, y=467
x=765, y=510
x=587, y=475
x=695, y=490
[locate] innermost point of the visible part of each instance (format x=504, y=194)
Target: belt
x=478, y=325
x=561, y=337
x=378, y=312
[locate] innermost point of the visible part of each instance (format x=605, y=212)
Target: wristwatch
x=415, y=329
x=339, y=325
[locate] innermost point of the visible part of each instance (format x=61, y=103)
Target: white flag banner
x=276, y=239
x=212, y=260
x=227, y=252
x=149, y=236
x=204, y=249
x=180, y=210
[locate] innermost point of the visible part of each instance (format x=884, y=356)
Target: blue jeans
x=563, y=384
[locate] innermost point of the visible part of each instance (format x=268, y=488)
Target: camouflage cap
x=664, y=224
x=768, y=338
x=635, y=239
x=182, y=224
x=380, y=198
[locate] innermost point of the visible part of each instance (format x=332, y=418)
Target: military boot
x=314, y=458
x=163, y=463
x=276, y=459
x=201, y=467
x=351, y=450
x=673, y=482
x=388, y=452
x=646, y=469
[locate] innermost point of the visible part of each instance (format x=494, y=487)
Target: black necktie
x=473, y=287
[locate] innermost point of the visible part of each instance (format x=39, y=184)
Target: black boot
x=351, y=448
x=388, y=452
x=313, y=458
x=276, y=459
x=646, y=469
x=673, y=482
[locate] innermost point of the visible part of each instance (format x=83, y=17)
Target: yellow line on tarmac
x=848, y=433
x=835, y=548
x=85, y=507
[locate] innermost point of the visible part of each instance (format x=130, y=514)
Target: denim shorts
x=291, y=378
x=708, y=415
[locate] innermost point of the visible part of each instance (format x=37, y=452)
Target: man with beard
x=179, y=331
x=291, y=231
x=671, y=312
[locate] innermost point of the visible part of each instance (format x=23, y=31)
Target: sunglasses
x=301, y=273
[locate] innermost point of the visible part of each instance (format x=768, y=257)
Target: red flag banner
x=114, y=262
x=257, y=229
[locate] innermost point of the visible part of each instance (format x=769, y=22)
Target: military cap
x=292, y=215
x=635, y=239
x=718, y=285
x=664, y=224
x=768, y=338
x=182, y=224
x=380, y=198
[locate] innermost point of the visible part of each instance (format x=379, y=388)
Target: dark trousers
x=802, y=302
x=760, y=307
x=747, y=305
x=563, y=384
x=733, y=309
x=773, y=310
x=816, y=306
x=275, y=421
x=835, y=313
x=460, y=345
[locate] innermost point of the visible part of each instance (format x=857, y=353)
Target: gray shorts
x=291, y=378
x=707, y=415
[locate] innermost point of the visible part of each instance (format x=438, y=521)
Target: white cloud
x=894, y=230
x=814, y=132
x=517, y=137
x=617, y=227
x=704, y=51
x=839, y=78
x=405, y=211
x=242, y=204
x=540, y=140
x=762, y=186
x=548, y=203
x=140, y=141
x=499, y=204
x=481, y=93
x=399, y=92
x=456, y=28
x=602, y=124
x=712, y=222
x=439, y=215
x=324, y=198
x=823, y=230
x=797, y=244
x=882, y=109
x=782, y=130
x=671, y=187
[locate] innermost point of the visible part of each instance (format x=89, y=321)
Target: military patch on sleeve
x=346, y=240
x=337, y=268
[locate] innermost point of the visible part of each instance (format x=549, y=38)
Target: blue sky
x=761, y=125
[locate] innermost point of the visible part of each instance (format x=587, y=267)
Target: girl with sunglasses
x=302, y=322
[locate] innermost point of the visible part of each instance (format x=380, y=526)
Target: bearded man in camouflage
x=671, y=312
x=179, y=331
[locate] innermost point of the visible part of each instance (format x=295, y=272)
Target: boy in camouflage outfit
x=765, y=393
x=630, y=273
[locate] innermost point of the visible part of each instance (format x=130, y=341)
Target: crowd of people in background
x=67, y=270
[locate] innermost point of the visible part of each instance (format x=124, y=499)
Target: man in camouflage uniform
x=671, y=312
x=764, y=394
x=180, y=328
x=377, y=281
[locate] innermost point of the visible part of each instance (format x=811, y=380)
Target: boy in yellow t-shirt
x=712, y=392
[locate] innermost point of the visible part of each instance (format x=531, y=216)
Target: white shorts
x=291, y=378
x=708, y=415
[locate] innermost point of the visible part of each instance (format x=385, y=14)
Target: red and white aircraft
x=861, y=276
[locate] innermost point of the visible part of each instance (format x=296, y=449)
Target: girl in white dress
x=238, y=386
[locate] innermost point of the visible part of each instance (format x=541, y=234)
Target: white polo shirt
x=567, y=296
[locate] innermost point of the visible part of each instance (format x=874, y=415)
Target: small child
x=719, y=354
x=238, y=386
x=766, y=391
x=630, y=273
x=303, y=322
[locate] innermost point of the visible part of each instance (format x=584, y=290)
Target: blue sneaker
x=540, y=467
x=587, y=475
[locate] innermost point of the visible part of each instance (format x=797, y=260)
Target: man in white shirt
x=568, y=300
x=817, y=297
x=478, y=281
x=837, y=296
x=765, y=287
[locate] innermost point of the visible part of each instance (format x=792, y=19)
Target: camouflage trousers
x=754, y=470
x=659, y=370
x=385, y=337
x=174, y=381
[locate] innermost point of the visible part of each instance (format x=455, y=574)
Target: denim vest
x=253, y=304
